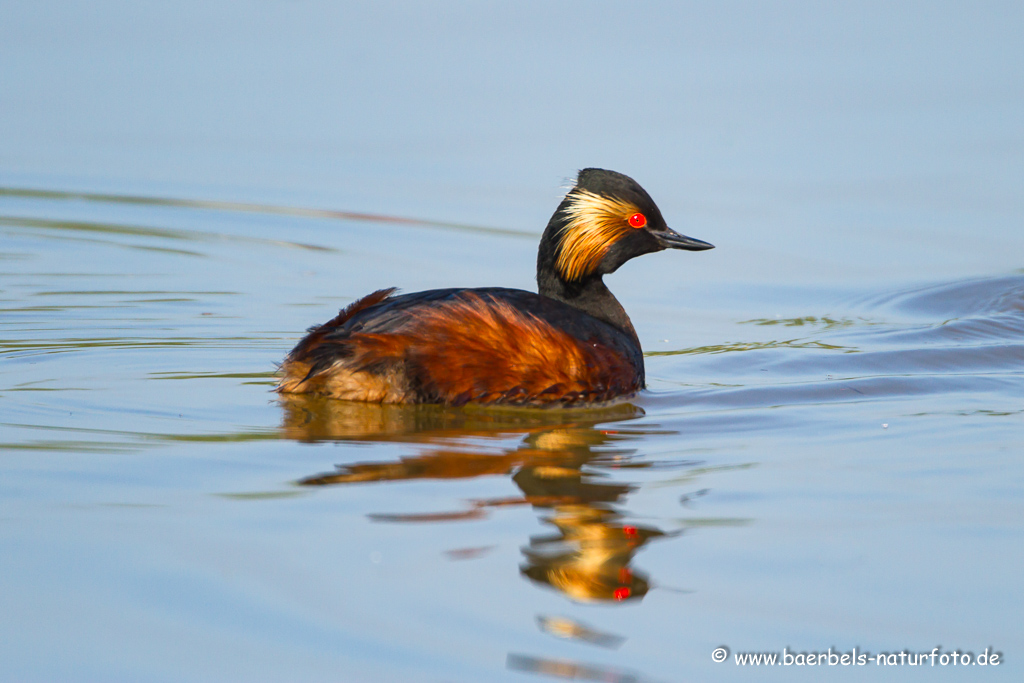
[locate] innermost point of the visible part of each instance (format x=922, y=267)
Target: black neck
x=589, y=295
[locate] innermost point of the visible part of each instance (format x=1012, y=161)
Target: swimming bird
x=569, y=344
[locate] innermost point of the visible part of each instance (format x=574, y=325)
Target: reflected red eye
x=621, y=593
x=638, y=220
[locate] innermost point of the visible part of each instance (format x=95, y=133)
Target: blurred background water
x=829, y=452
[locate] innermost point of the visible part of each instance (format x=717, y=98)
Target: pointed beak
x=670, y=239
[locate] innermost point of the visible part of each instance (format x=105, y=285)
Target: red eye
x=638, y=220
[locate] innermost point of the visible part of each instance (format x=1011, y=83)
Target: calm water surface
x=829, y=451
x=844, y=473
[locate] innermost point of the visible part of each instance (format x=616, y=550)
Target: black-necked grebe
x=570, y=344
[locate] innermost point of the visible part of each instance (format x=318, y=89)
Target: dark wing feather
x=489, y=345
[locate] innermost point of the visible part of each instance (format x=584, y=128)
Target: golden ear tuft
x=594, y=223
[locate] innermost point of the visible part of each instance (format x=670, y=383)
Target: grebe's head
x=605, y=220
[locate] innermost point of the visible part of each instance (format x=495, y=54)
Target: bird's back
x=454, y=346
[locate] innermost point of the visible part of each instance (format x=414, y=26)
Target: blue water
x=829, y=451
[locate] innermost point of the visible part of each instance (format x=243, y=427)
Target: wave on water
x=946, y=338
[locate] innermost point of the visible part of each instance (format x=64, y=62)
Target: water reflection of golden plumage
x=589, y=553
